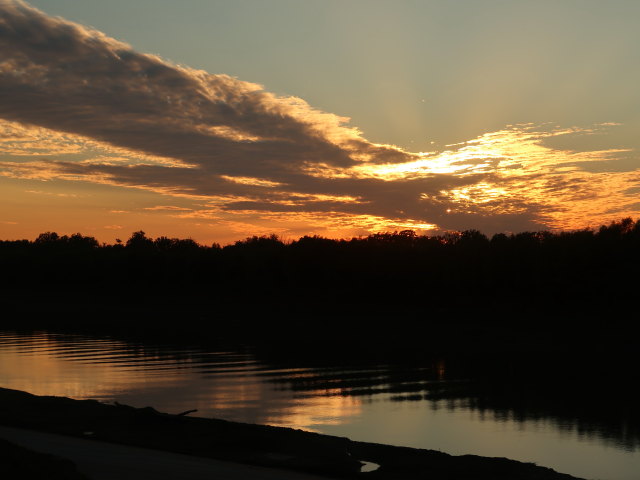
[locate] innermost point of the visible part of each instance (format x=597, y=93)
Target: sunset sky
x=217, y=120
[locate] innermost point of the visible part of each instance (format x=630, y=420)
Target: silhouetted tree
x=47, y=238
x=139, y=242
x=455, y=276
x=78, y=241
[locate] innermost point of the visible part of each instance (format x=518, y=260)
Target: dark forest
x=531, y=287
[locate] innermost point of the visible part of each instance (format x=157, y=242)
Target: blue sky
x=403, y=71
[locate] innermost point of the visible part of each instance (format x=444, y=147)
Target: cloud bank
x=76, y=104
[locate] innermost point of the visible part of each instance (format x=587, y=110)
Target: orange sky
x=98, y=138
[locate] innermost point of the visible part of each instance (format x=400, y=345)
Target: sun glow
x=516, y=172
x=512, y=171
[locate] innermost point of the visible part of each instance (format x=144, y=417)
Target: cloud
x=68, y=77
x=171, y=208
x=40, y=192
x=76, y=104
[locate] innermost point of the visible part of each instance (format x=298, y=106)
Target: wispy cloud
x=78, y=105
x=169, y=208
x=55, y=194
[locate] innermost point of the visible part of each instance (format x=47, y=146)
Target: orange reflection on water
x=218, y=384
x=41, y=369
x=316, y=411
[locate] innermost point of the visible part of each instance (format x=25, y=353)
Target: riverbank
x=260, y=445
x=59, y=454
x=19, y=462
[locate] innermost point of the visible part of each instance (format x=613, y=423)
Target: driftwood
x=186, y=412
x=153, y=410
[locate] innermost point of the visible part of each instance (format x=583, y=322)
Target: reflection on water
x=220, y=384
x=418, y=406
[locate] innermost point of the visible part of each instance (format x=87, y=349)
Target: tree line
x=528, y=278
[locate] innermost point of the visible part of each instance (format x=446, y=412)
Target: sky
x=218, y=120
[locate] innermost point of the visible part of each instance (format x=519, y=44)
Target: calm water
x=411, y=406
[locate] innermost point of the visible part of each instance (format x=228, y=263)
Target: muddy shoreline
x=262, y=445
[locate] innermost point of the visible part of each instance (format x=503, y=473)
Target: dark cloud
x=67, y=77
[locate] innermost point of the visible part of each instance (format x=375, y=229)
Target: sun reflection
x=318, y=410
x=218, y=384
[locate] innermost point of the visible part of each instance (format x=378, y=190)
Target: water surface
x=411, y=405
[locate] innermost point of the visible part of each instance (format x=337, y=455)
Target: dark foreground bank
x=111, y=461
x=251, y=444
x=24, y=463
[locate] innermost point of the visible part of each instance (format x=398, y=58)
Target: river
x=412, y=405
